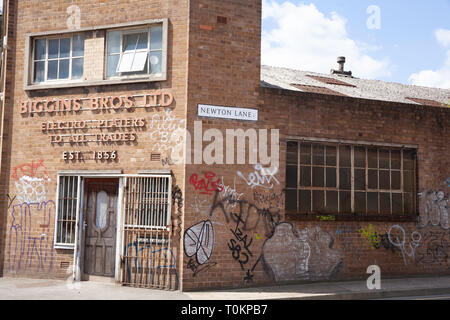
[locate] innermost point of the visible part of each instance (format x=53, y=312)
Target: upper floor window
x=356, y=180
x=135, y=52
x=58, y=58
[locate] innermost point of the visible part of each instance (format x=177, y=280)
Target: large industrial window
x=68, y=194
x=58, y=58
x=135, y=52
x=356, y=180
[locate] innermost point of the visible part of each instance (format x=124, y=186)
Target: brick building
x=114, y=162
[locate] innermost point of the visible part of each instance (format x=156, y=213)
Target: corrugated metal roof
x=289, y=79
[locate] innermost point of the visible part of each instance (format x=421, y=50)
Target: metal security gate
x=148, y=259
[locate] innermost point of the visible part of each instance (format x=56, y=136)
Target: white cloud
x=304, y=38
x=436, y=78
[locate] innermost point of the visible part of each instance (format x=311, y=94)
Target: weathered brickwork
x=229, y=225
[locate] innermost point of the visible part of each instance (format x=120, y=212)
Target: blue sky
x=407, y=42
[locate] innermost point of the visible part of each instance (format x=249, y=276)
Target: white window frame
x=46, y=60
x=139, y=29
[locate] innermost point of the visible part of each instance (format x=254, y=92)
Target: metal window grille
x=68, y=193
x=327, y=178
x=147, y=202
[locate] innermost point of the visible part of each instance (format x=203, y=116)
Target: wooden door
x=100, y=227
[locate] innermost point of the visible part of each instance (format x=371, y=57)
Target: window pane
x=305, y=201
x=345, y=202
x=52, y=72
x=64, y=68
x=372, y=202
x=291, y=200
x=344, y=156
x=331, y=156
x=130, y=41
x=291, y=176
x=40, y=49
x=360, y=202
x=77, y=68
x=143, y=41
x=292, y=152
x=395, y=159
x=78, y=46
x=373, y=179
x=345, y=179
x=408, y=181
x=360, y=179
x=318, y=202
x=360, y=157
x=395, y=180
x=305, y=176
x=53, y=48
x=140, y=58
x=156, y=37
x=114, y=42
x=155, y=62
x=318, y=177
x=408, y=160
x=111, y=67
x=397, y=205
x=409, y=203
x=305, y=153
x=384, y=159
x=39, y=71
x=385, y=182
x=125, y=62
x=318, y=155
x=385, y=203
x=372, y=155
x=64, y=48
x=332, y=202
x=331, y=178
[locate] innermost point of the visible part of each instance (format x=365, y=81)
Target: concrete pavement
x=41, y=289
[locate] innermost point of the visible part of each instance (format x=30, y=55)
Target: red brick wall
x=26, y=144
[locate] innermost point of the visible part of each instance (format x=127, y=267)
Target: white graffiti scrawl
x=30, y=190
x=199, y=241
x=168, y=134
x=261, y=177
x=434, y=209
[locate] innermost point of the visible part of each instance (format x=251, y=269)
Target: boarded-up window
x=331, y=178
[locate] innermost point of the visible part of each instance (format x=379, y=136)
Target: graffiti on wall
x=435, y=248
x=371, y=235
x=306, y=254
x=31, y=237
x=29, y=181
x=434, y=209
x=397, y=237
x=168, y=133
x=207, y=184
x=261, y=177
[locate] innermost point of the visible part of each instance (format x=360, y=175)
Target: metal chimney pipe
x=341, y=62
